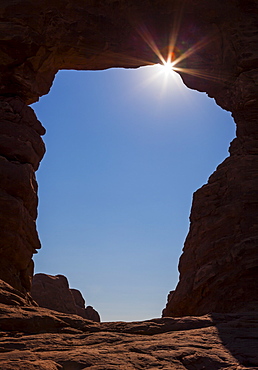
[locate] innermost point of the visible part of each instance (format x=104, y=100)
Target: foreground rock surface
x=53, y=292
x=37, y=338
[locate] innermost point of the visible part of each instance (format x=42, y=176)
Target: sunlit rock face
x=53, y=292
x=215, y=50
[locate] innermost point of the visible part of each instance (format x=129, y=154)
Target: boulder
x=53, y=292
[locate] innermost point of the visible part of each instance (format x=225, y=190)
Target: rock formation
x=21, y=151
x=34, y=338
x=218, y=267
x=215, y=47
x=53, y=292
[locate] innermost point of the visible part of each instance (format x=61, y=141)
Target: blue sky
x=125, y=151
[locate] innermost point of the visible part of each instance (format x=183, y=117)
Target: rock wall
x=219, y=264
x=215, y=45
x=218, y=268
x=21, y=151
x=53, y=292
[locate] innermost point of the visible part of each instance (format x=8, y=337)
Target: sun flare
x=171, y=56
x=167, y=66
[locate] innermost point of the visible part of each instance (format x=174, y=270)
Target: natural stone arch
x=217, y=268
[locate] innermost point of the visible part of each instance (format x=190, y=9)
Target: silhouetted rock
x=53, y=292
x=21, y=149
x=218, y=267
x=92, y=314
x=79, y=302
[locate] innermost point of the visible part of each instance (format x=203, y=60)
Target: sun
x=167, y=66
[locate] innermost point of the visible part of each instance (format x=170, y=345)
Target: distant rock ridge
x=53, y=292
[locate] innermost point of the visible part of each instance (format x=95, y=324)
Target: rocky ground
x=38, y=338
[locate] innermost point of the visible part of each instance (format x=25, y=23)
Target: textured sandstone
x=218, y=268
x=21, y=151
x=36, y=338
x=53, y=292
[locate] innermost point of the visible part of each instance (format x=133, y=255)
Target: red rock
x=53, y=292
x=37, y=338
x=11, y=296
x=218, y=268
x=21, y=151
x=86, y=312
x=91, y=314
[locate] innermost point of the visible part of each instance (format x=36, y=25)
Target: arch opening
x=128, y=154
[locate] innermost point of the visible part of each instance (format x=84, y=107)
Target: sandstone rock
x=218, y=268
x=21, y=149
x=88, y=312
x=218, y=42
x=91, y=314
x=53, y=292
x=9, y=295
x=36, y=338
x=41, y=320
x=79, y=302
x=116, y=33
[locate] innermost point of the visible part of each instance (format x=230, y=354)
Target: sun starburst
x=175, y=52
x=167, y=65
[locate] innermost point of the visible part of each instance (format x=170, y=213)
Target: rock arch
x=219, y=263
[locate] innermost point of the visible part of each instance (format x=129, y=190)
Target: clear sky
x=125, y=151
